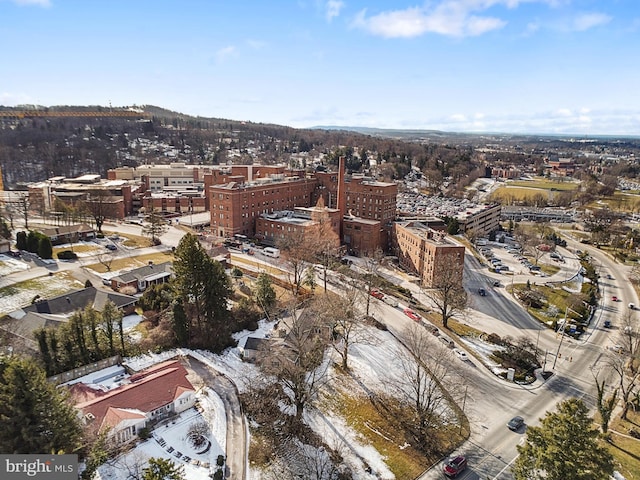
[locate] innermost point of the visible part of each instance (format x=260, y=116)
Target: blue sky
x=521, y=66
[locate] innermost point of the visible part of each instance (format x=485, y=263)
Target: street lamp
x=564, y=323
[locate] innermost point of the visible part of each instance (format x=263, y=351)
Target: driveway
x=237, y=441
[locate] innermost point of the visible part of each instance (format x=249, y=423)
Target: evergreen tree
x=5, y=231
x=162, y=469
x=180, y=324
x=565, y=446
x=33, y=241
x=21, y=240
x=155, y=226
x=265, y=294
x=45, y=250
x=36, y=417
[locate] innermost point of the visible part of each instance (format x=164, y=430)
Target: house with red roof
x=147, y=398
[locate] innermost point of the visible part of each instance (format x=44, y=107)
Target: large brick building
x=423, y=250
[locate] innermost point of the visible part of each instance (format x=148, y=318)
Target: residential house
x=69, y=233
x=141, y=278
x=20, y=324
x=147, y=397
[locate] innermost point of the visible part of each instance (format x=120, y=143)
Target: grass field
x=544, y=184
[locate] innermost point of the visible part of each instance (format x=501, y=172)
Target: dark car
x=482, y=292
x=111, y=246
x=515, y=423
x=454, y=466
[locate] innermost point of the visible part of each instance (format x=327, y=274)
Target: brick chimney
x=341, y=192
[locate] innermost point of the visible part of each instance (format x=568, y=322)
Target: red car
x=377, y=294
x=454, y=466
x=411, y=314
x=614, y=298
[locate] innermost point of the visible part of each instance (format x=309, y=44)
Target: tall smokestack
x=341, y=193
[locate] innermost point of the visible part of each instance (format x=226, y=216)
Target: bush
x=67, y=255
x=144, y=433
x=220, y=460
x=219, y=475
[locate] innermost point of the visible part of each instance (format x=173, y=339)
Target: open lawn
x=624, y=448
x=128, y=263
x=22, y=294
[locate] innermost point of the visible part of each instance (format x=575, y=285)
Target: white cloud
x=586, y=21
x=225, y=52
x=564, y=112
x=333, y=8
x=453, y=18
x=40, y=3
x=458, y=117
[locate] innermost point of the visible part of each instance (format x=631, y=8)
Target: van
x=271, y=252
x=389, y=300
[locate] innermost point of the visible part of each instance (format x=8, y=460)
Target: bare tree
x=604, y=405
x=422, y=386
x=343, y=313
x=106, y=259
x=21, y=204
x=296, y=252
x=299, y=364
x=446, y=291
x=370, y=277
x=100, y=205
x=626, y=376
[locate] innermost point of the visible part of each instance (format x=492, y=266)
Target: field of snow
x=21, y=294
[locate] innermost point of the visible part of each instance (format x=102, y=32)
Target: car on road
x=111, y=246
x=515, y=423
x=614, y=298
x=607, y=324
x=496, y=283
x=411, y=314
x=461, y=354
x=454, y=466
x=377, y=294
x=482, y=292
x=631, y=306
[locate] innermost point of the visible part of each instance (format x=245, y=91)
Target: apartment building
x=422, y=250
x=481, y=219
x=236, y=206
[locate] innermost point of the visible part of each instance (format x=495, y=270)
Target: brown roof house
x=143, y=277
x=69, y=233
x=149, y=397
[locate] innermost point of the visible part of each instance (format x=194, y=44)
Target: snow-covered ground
x=170, y=441
x=45, y=287
x=9, y=265
x=373, y=364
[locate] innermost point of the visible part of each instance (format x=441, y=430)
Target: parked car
x=607, y=324
x=515, y=423
x=631, y=306
x=411, y=314
x=462, y=355
x=454, y=466
x=111, y=247
x=614, y=298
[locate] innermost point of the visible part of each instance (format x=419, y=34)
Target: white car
x=460, y=354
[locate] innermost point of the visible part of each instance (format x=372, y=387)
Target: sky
x=512, y=66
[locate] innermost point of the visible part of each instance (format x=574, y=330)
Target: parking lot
x=509, y=259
